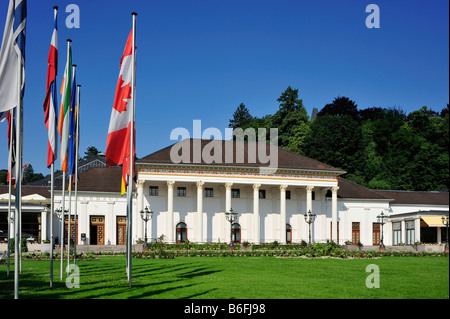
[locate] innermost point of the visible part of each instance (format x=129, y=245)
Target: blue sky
x=198, y=60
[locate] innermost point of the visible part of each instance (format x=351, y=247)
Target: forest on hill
x=378, y=147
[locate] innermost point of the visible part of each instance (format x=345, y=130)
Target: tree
x=91, y=152
x=29, y=175
x=292, y=121
x=335, y=140
x=341, y=106
x=3, y=177
x=241, y=118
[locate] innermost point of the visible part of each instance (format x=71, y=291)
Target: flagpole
x=76, y=171
x=52, y=208
x=62, y=224
x=11, y=132
x=68, y=224
x=130, y=178
x=18, y=201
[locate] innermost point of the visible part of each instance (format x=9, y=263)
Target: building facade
x=189, y=200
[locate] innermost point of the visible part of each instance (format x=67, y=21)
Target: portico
x=198, y=195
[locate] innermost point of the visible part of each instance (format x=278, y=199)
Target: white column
x=140, y=206
x=200, y=212
x=170, y=226
x=84, y=219
x=283, y=214
x=256, y=221
x=44, y=227
x=403, y=231
x=227, y=209
x=334, y=213
x=111, y=223
x=416, y=231
x=309, y=198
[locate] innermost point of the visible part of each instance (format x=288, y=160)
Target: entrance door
x=121, y=230
x=355, y=233
x=73, y=232
x=376, y=239
x=236, y=233
x=97, y=230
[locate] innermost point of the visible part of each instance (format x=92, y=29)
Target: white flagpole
x=62, y=224
x=77, y=141
x=11, y=132
x=130, y=178
x=18, y=201
x=52, y=184
x=52, y=209
x=68, y=224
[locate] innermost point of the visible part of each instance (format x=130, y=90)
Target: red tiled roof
x=286, y=159
x=349, y=189
x=44, y=191
x=419, y=198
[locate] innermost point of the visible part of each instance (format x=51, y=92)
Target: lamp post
x=445, y=221
x=146, y=215
x=381, y=221
x=310, y=218
x=231, y=217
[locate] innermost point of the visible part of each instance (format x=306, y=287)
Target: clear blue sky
x=198, y=60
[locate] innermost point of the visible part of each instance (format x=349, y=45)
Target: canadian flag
x=118, y=143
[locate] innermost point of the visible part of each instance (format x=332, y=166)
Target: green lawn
x=237, y=277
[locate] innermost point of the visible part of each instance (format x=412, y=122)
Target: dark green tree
x=3, y=177
x=241, y=118
x=30, y=176
x=291, y=120
x=91, y=152
x=341, y=106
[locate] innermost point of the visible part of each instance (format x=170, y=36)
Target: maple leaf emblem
x=123, y=94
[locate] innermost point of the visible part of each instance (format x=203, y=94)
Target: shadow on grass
x=107, y=279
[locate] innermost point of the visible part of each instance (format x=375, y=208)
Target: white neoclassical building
x=190, y=193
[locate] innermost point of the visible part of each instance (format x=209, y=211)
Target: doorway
x=97, y=230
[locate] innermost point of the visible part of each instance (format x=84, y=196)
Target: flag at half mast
x=118, y=143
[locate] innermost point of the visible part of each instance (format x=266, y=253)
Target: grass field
x=236, y=277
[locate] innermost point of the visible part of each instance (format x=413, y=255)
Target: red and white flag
x=118, y=143
x=50, y=98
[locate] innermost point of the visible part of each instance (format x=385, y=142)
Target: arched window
x=288, y=234
x=236, y=233
x=181, y=232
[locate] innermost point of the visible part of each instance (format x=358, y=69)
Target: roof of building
x=83, y=165
x=415, y=197
x=101, y=179
x=286, y=159
x=349, y=189
x=28, y=190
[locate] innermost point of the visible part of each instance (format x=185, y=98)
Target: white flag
x=11, y=54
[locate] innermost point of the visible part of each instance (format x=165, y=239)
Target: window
x=355, y=233
x=235, y=193
x=181, y=191
x=313, y=195
x=236, y=233
x=154, y=191
x=262, y=193
x=288, y=234
x=181, y=232
x=209, y=192
x=288, y=194
x=410, y=232
x=397, y=233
